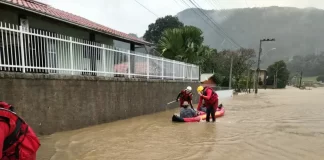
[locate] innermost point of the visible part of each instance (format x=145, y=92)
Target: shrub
x=320, y=78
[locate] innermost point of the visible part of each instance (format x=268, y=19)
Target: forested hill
x=297, y=31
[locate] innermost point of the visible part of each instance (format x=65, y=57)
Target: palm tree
x=184, y=44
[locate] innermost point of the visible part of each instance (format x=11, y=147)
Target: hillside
x=297, y=31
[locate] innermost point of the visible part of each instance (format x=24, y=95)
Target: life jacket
x=22, y=142
x=213, y=99
x=185, y=96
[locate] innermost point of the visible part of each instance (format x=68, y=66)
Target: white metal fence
x=36, y=51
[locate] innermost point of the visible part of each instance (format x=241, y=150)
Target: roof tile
x=60, y=14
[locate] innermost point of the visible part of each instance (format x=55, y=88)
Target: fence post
x=162, y=68
x=148, y=66
x=173, y=74
x=22, y=49
x=104, y=58
x=129, y=64
x=71, y=54
x=183, y=71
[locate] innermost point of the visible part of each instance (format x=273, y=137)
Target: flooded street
x=275, y=124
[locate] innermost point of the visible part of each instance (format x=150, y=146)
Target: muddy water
x=281, y=124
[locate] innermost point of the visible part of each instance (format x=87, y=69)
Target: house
x=262, y=75
x=204, y=77
x=37, y=38
x=37, y=15
x=207, y=80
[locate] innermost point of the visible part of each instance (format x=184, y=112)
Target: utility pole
x=256, y=83
x=230, y=77
x=275, y=78
x=248, y=81
x=274, y=81
x=300, y=80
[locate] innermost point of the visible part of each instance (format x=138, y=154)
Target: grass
x=310, y=79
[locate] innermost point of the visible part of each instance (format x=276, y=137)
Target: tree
x=219, y=64
x=184, y=44
x=156, y=29
x=311, y=65
x=242, y=62
x=320, y=78
x=279, y=74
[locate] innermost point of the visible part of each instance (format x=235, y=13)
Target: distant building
x=47, y=33
x=207, y=80
x=262, y=74
x=205, y=77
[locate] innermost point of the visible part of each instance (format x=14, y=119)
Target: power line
x=215, y=24
x=247, y=4
x=146, y=8
x=213, y=3
x=178, y=4
x=216, y=31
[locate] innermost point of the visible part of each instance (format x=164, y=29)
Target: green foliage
x=155, y=30
x=184, y=44
x=242, y=62
x=217, y=78
x=320, y=78
x=220, y=64
x=279, y=70
x=311, y=65
x=247, y=25
x=225, y=81
x=281, y=83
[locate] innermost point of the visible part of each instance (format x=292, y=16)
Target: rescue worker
x=186, y=112
x=17, y=140
x=210, y=97
x=203, y=108
x=185, y=96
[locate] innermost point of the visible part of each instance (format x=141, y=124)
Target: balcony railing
x=36, y=51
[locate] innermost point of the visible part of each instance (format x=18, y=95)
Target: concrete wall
x=52, y=103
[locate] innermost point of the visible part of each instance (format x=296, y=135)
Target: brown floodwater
x=273, y=125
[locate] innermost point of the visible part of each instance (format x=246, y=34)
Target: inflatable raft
x=202, y=116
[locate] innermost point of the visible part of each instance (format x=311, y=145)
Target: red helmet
x=5, y=105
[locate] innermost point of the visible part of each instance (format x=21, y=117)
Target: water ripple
x=276, y=124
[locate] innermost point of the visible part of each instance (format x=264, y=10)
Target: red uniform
x=17, y=140
x=210, y=98
x=184, y=96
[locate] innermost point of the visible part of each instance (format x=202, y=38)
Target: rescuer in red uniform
x=211, y=101
x=17, y=140
x=185, y=95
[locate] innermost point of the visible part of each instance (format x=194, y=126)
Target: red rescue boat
x=202, y=116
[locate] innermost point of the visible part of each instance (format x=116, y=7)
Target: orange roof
x=47, y=10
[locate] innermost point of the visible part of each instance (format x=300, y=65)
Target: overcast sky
x=130, y=17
